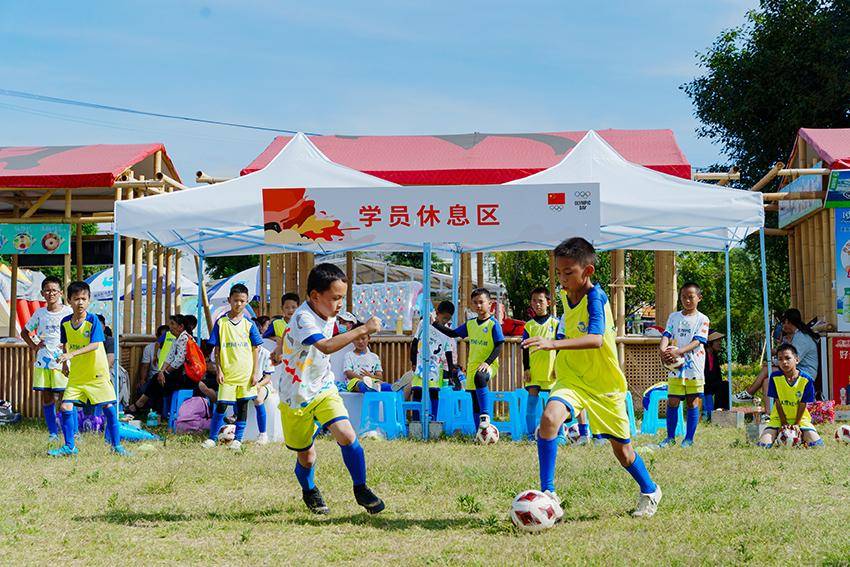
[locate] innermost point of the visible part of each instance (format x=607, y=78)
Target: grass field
x=725, y=502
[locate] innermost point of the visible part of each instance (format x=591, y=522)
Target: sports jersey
x=264, y=361
x=165, y=343
x=438, y=345
x=790, y=396
x=276, y=329
x=368, y=361
x=596, y=370
x=91, y=367
x=46, y=325
x=307, y=370
x=483, y=336
x=682, y=329
x=235, y=341
x=541, y=363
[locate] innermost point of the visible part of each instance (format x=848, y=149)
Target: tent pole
x=426, y=331
x=765, y=307
x=116, y=297
x=728, y=324
x=199, y=307
x=455, y=285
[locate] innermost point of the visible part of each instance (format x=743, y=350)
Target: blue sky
x=382, y=67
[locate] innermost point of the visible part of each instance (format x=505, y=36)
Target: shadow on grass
x=388, y=523
x=130, y=517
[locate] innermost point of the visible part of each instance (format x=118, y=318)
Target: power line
x=96, y=106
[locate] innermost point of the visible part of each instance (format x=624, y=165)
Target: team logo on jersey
x=582, y=327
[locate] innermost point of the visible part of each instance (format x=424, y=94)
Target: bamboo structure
x=666, y=294
x=264, y=306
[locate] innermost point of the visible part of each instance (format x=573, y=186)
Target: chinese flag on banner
x=557, y=198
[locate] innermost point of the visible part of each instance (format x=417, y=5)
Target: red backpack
x=195, y=365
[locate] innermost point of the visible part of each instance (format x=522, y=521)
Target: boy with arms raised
x=89, y=381
x=587, y=374
x=684, y=338
x=47, y=376
x=307, y=391
x=235, y=340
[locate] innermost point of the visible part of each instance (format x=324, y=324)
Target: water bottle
x=843, y=395
x=153, y=419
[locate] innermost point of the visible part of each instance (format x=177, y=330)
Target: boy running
x=307, y=391
x=235, y=340
x=89, y=381
x=47, y=376
x=685, y=337
x=587, y=374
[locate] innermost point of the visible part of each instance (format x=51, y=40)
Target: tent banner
x=35, y=238
x=473, y=215
x=838, y=194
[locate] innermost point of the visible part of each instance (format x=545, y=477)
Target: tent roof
x=645, y=209
x=831, y=144
x=477, y=159
x=60, y=167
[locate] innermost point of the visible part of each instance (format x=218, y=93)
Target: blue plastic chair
x=651, y=423
x=383, y=411
x=515, y=425
x=455, y=411
x=177, y=399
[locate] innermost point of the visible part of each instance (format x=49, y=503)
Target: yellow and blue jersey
x=165, y=342
x=790, y=396
x=483, y=337
x=91, y=367
x=236, y=341
x=541, y=363
x=276, y=329
x=596, y=370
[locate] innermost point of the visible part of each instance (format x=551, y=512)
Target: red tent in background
x=477, y=159
x=831, y=144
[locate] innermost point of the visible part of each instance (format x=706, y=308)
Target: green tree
x=226, y=266
x=414, y=260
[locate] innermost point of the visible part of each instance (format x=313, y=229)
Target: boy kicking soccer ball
x=307, y=391
x=587, y=374
x=791, y=390
x=89, y=382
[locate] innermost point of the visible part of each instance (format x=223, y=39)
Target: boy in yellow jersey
x=539, y=365
x=587, y=373
x=235, y=340
x=791, y=389
x=47, y=376
x=485, y=344
x=288, y=304
x=308, y=394
x=89, y=383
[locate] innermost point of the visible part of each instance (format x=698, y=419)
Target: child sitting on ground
x=791, y=389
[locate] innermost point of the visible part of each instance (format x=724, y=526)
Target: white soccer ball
x=675, y=365
x=533, y=511
x=788, y=438
x=487, y=435
x=842, y=434
x=372, y=434
x=226, y=434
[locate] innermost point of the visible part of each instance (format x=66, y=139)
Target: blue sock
x=547, y=452
x=692, y=422
x=76, y=419
x=240, y=430
x=216, y=422
x=638, y=471
x=355, y=462
x=305, y=476
x=483, y=397
x=672, y=421
x=583, y=430
x=111, y=433
x=817, y=443
x=50, y=418
x=68, y=429
x=261, y=418
x=531, y=413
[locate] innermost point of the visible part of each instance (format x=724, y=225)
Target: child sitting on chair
x=362, y=368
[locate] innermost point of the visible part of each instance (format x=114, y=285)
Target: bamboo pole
x=41, y=200
x=733, y=171
x=66, y=276
x=170, y=182
x=150, y=288
x=618, y=274
x=202, y=177
x=719, y=176
x=800, y=196
x=776, y=232
x=79, y=247
x=552, y=283
x=665, y=285
x=349, y=275
x=277, y=283
x=290, y=262
x=53, y=219
x=13, y=288
x=792, y=267
x=167, y=287
x=807, y=267
x=128, y=281
x=138, y=302
x=479, y=269
x=305, y=264
x=160, y=290
x=817, y=273
x=797, y=171
x=263, y=295
x=202, y=293
x=178, y=281
x=768, y=177
x=799, y=239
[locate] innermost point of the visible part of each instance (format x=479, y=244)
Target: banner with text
x=496, y=217
x=35, y=238
x=793, y=210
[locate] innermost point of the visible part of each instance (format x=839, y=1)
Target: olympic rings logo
x=582, y=194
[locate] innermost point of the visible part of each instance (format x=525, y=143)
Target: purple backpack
x=193, y=416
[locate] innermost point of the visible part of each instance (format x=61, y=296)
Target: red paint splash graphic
x=289, y=210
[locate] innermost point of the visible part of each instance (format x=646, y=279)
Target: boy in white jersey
x=47, y=376
x=262, y=382
x=363, y=369
x=307, y=391
x=684, y=338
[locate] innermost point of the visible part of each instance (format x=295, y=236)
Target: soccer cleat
x=583, y=440
x=263, y=439
x=743, y=397
x=559, y=511
x=121, y=451
x=483, y=421
x=687, y=443
x=63, y=451
x=235, y=445
x=368, y=499
x=404, y=380
x=669, y=442
x=314, y=501
x=208, y=444
x=647, y=504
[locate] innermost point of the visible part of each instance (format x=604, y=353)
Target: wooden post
x=665, y=286
x=178, y=282
x=618, y=275
x=160, y=279
x=349, y=275
x=128, y=282
x=79, y=245
x=305, y=264
x=479, y=268
x=792, y=268
x=276, y=283
x=150, y=288
x=67, y=257
x=138, y=302
x=290, y=262
x=202, y=294
x=263, y=295
x=13, y=298
x=167, y=284
x=552, y=282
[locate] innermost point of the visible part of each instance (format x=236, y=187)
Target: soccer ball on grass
x=533, y=511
